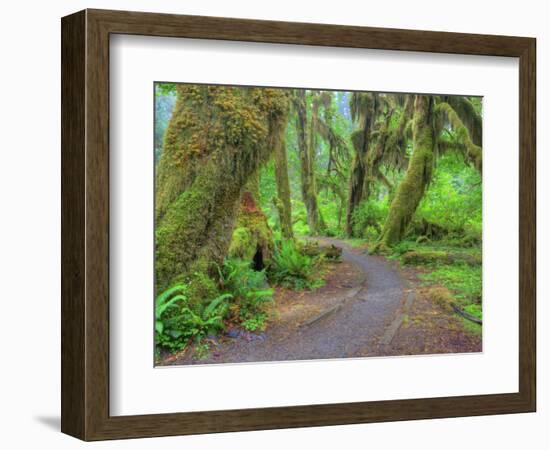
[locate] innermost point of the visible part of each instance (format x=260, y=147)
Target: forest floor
x=368, y=306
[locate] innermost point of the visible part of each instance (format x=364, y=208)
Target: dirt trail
x=348, y=324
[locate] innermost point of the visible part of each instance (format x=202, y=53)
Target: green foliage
x=332, y=213
x=177, y=323
x=247, y=287
x=368, y=218
x=291, y=268
x=474, y=309
x=164, y=89
x=402, y=248
x=165, y=302
x=455, y=273
x=453, y=201
x=255, y=323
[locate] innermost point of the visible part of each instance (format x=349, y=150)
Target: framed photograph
x=272, y=225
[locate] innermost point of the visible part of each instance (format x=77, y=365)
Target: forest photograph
x=303, y=224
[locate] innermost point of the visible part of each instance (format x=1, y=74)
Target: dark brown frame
x=85, y=224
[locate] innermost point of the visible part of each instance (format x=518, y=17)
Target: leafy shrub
x=293, y=269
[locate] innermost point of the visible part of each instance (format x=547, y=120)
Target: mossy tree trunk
x=362, y=107
x=417, y=177
x=282, y=202
x=252, y=238
x=215, y=140
x=306, y=148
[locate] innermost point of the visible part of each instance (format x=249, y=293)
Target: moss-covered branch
x=473, y=151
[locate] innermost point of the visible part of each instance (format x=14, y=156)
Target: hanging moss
x=473, y=151
x=363, y=106
x=215, y=140
x=282, y=201
x=468, y=114
x=306, y=131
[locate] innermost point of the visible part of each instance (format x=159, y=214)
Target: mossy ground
x=450, y=274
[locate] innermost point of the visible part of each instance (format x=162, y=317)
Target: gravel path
x=350, y=329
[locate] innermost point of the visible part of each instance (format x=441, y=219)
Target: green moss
x=420, y=257
x=242, y=244
x=424, y=257
x=201, y=288
x=208, y=120
x=442, y=296
x=473, y=151
x=416, y=179
x=474, y=309
x=464, y=281
x=252, y=233
x=214, y=142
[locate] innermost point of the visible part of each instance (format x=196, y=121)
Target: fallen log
x=314, y=249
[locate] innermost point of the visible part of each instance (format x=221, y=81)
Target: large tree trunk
x=416, y=179
x=215, y=141
x=306, y=147
x=282, y=202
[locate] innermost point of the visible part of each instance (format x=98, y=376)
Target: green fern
x=293, y=269
x=248, y=287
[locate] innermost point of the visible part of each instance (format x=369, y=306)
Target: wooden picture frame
x=85, y=224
